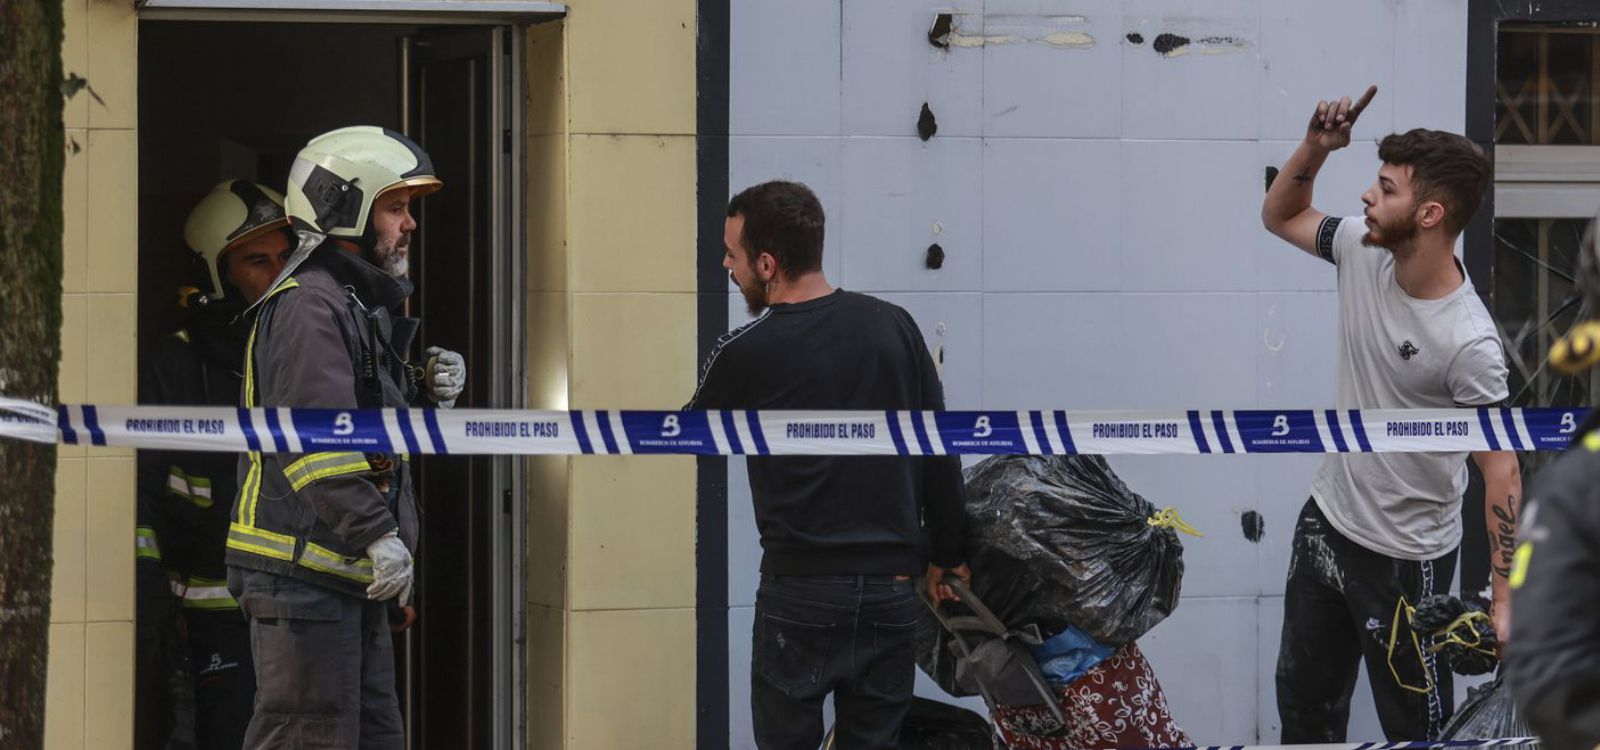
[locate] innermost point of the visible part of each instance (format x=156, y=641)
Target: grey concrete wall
x=1098, y=202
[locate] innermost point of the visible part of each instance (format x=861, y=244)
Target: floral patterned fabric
x=1118, y=704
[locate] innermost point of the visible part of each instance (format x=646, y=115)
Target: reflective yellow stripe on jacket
x=261, y=542
x=324, y=560
x=315, y=466
x=204, y=593
x=145, y=546
x=242, y=534
x=196, y=490
x=250, y=399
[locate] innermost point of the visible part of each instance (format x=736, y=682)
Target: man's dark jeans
x=847, y=635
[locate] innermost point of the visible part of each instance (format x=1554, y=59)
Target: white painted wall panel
x=901, y=196
x=1051, y=215
x=1352, y=52
x=786, y=57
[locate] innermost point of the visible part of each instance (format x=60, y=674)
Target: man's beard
x=394, y=258
x=1398, y=236
x=755, y=297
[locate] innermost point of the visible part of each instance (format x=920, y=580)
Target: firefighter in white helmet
x=193, y=667
x=321, y=541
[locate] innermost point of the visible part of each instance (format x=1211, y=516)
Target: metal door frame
x=507, y=304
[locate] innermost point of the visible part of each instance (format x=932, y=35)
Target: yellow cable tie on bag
x=1402, y=608
x=1451, y=634
x=1168, y=518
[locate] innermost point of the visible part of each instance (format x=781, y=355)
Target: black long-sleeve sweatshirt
x=841, y=515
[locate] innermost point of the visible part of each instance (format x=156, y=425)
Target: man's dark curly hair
x=1445, y=167
x=784, y=219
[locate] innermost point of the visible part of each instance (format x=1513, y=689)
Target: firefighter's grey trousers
x=324, y=666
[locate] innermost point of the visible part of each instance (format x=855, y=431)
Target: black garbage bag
x=1061, y=540
x=1056, y=541
x=1463, y=631
x=932, y=725
x=1489, y=713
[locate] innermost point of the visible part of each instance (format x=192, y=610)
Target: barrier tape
x=792, y=433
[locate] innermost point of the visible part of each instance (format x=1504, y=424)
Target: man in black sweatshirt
x=842, y=537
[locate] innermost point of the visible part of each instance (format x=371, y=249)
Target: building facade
x=1080, y=230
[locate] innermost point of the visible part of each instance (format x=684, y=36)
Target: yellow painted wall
x=90, y=694
x=612, y=324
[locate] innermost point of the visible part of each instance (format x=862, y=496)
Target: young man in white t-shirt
x=1385, y=526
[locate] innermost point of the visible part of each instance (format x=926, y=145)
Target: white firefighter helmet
x=234, y=212
x=339, y=174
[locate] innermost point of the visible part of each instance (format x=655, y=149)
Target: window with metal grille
x=1547, y=189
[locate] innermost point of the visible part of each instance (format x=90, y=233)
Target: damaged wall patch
x=926, y=124
x=1254, y=525
x=1174, y=45
x=972, y=31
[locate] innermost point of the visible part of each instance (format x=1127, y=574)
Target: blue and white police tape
x=793, y=433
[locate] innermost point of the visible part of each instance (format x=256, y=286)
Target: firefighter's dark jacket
x=313, y=345
x=1553, y=659
x=185, y=497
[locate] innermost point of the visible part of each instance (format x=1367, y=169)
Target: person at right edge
x=842, y=537
x=321, y=541
x=1553, y=665
x=1381, y=529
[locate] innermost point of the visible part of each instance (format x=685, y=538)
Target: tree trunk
x=31, y=160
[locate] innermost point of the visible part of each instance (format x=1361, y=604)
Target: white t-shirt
x=1399, y=352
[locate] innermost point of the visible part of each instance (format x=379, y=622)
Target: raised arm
x=1287, y=210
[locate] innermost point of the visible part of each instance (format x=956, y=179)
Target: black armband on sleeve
x=1325, y=232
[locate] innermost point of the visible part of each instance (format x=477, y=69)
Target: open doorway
x=221, y=100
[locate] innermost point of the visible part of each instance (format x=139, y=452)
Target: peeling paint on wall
x=975, y=31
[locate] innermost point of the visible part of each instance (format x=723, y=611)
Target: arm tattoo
x=1504, y=539
x=1304, y=176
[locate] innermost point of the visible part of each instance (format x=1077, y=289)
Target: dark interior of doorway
x=237, y=100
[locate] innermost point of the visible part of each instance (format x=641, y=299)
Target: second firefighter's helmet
x=339, y=174
x=234, y=212
x=1579, y=349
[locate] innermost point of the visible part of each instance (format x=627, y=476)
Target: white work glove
x=446, y=374
x=391, y=569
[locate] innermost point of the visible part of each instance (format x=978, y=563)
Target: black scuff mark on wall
x=927, y=126
x=1272, y=174
x=935, y=259
x=1166, y=44
x=1135, y=38
x=1254, y=525
x=939, y=33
